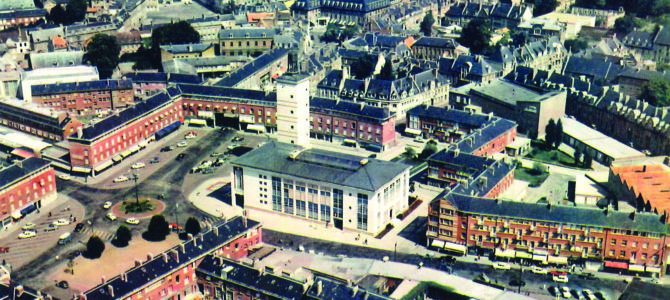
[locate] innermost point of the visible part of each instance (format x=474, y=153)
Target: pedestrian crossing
x=88, y=232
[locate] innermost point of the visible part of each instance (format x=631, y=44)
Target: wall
x=40, y=185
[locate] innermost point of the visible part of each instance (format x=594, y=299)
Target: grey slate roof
x=251, y=33
x=252, y=67
x=332, y=290
x=83, y=86
x=143, y=77
x=11, y=292
x=213, y=93
x=15, y=172
x=484, y=135
x=56, y=59
x=462, y=118
x=187, y=48
x=366, y=113
x=436, y=42
x=321, y=165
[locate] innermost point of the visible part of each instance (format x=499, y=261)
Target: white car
x=133, y=221
x=538, y=270
x=107, y=205
x=111, y=216
x=64, y=176
x=190, y=136
x=589, y=294
x=121, y=179
x=28, y=226
x=565, y=292
x=138, y=165
x=501, y=266
x=27, y=234
x=61, y=222
x=182, y=144
x=561, y=278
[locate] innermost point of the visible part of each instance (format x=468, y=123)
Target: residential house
x=434, y=48
x=246, y=41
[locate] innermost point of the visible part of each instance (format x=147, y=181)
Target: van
x=64, y=238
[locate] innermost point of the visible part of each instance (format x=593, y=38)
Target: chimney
x=244, y=220
x=195, y=241
x=644, y=168
x=165, y=257
x=124, y=277
x=80, y=132
x=110, y=289
x=215, y=230
x=18, y=290
x=319, y=288
x=137, y=263
x=103, y=279
x=175, y=255
x=457, y=152
x=355, y=291
x=182, y=249
x=149, y=256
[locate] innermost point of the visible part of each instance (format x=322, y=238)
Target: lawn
x=540, y=153
x=531, y=176
x=407, y=160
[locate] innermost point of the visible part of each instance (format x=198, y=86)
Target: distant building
x=56, y=59
x=258, y=73
x=246, y=41
x=41, y=122
x=603, y=149
x=19, y=13
x=434, y=48
x=631, y=81
x=469, y=68
x=25, y=186
x=538, y=29
x=86, y=97
x=501, y=15
x=129, y=41
x=78, y=35
x=348, y=12
x=170, y=52
x=150, y=83
x=55, y=75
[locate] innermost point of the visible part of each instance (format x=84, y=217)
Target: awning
x=81, y=169
x=124, y=154
x=256, y=127
x=117, y=158
x=22, y=153
x=616, y=264
x=103, y=166
x=505, y=253
x=523, y=254
x=542, y=257
x=142, y=144
x=60, y=165
x=559, y=260
x=198, y=122
x=654, y=269
x=350, y=141
x=134, y=149
x=413, y=131
x=437, y=243
x=17, y=214
x=636, y=268
x=455, y=247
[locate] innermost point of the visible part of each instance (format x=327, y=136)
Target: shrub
x=123, y=236
x=192, y=226
x=158, y=229
x=94, y=247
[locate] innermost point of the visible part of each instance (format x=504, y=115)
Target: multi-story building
x=38, y=121
x=246, y=41
x=642, y=183
x=172, y=274
x=19, y=13
x=539, y=29
x=547, y=54
x=345, y=11
x=88, y=97
x=501, y=15
x=79, y=35
x=55, y=75
x=258, y=73
x=631, y=81
x=350, y=192
x=149, y=83
x=170, y=52
x=469, y=68
x=25, y=186
x=547, y=233
x=434, y=48
x=129, y=41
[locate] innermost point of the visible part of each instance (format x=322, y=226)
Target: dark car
x=167, y=149
x=238, y=139
x=589, y=276
x=180, y=156
x=155, y=160
x=63, y=284
x=78, y=227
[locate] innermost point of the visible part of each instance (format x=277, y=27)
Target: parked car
x=167, y=148
x=79, y=227
x=28, y=226
x=51, y=227
x=175, y=227
x=560, y=278
x=538, y=270
x=208, y=171
x=180, y=156
x=155, y=160
x=558, y=273
x=501, y=266
x=586, y=275
x=111, y=216
x=133, y=221
x=121, y=179
x=238, y=139
x=565, y=292
x=27, y=234
x=190, y=136
x=62, y=284
x=107, y=205
x=61, y=222
x=4, y=249
x=182, y=144
x=138, y=165
x=64, y=176
x=205, y=163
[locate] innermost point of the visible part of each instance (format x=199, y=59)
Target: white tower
x=293, y=109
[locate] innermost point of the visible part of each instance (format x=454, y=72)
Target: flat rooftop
x=598, y=141
x=506, y=92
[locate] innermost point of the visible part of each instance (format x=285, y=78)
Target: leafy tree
x=332, y=33
x=578, y=156
x=539, y=168
x=364, y=66
x=349, y=32
x=38, y=3
x=518, y=37
x=426, y=26
x=656, y=92
x=192, y=226
x=94, y=247
x=476, y=35
x=429, y=149
x=57, y=15
x=558, y=134
x=626, y=24
x=76, y=11
x=122, y=237
x=542, y=7
x=588, y=159
x=410, y=152
x=158, y=229
x=549, y=134
x=103, y=52
x=576, y=45
x=174, y=33
x=387, y=71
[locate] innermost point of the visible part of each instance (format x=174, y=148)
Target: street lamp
x=137, y=195
x=176, y=213
x=395, y=251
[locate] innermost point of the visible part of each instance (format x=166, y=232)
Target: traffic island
x=144, y=208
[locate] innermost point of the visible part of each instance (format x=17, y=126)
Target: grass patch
x=531, y=176
x=539, y=152
x=134, y=207
x=403, y=158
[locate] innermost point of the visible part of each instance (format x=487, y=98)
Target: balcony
x=480, y=222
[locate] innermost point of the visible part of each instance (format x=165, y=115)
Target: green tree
x=626, y=24
x=558, y=134
x=94, y=247
x=387, y=71
x=656, y=92
x=542, y=7
x=549, y=134
x=349, y=32
x=57, y=15
x=429, y=149
x=171, y=34
x=332, y=33
x=103, y=52
x=578, y=156
x=364, y=66
x=576, y=45
x=539, y=168
x=158, y=229
x=192, y=226
x=426, y=26
x=519, y=38
x=122, y=237
x=476, y=35
x=76, y=11
x=410, y=152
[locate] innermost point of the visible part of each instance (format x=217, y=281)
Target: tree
x=94, y=247
x=657, y=92
x=192, y=226
x=76, y=11
x=364, y=66
x=626, y=24
x=426, y=26
x=542, y=7
x=588, y=159
x=158, y=229
x=387, y=71
x=103, y=52
x=429, y=149
x=331, y=34
x=476, y=35
x=549, y=134
x=539, y=168
x=558, y=134
x=578, y=156
x=519, y=38
x=576, y=45
x=410, y=152
x=349, y=32
x=171, y=34
x=57, y=15
x=122, y=237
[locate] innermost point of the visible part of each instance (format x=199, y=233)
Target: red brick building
x=171, y=275
x=25, y=186
x=87, y=97
x=37, y=121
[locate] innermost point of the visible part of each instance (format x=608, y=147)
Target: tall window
x=276, y=194
x=313, y=211
x=325, y=213
x=362, y=215
x=300, y=208
x=288, y=202
x=338, y=199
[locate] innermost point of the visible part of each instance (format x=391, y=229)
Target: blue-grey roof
x=140, y=276
x=252, y=67
x=350, y=110
x=321, y=165
x=485, y=134
x=436, y=42
x=458, y=161
x=84, y=86
x=341, y=5
x=462, y=118
x=596, y=69
x=249, y=33
x=332, y=290
x=48, y=123
x=145, y=77
x=276, y=286
x=215, y=93
x=116, y=120
x=187, y=48
x=15, y=172
x=12, y=292
x=331, y=80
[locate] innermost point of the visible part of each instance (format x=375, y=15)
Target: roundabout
x=144, y=208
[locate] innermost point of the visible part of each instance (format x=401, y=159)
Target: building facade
x=25, y=186
x=346, y=11
x=247, y=42
x=434, y=48
x=37, y=121
x=88, y=97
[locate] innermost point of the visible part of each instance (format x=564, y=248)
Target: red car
x=558, y=273
x=4, y=249
x=175, y=227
